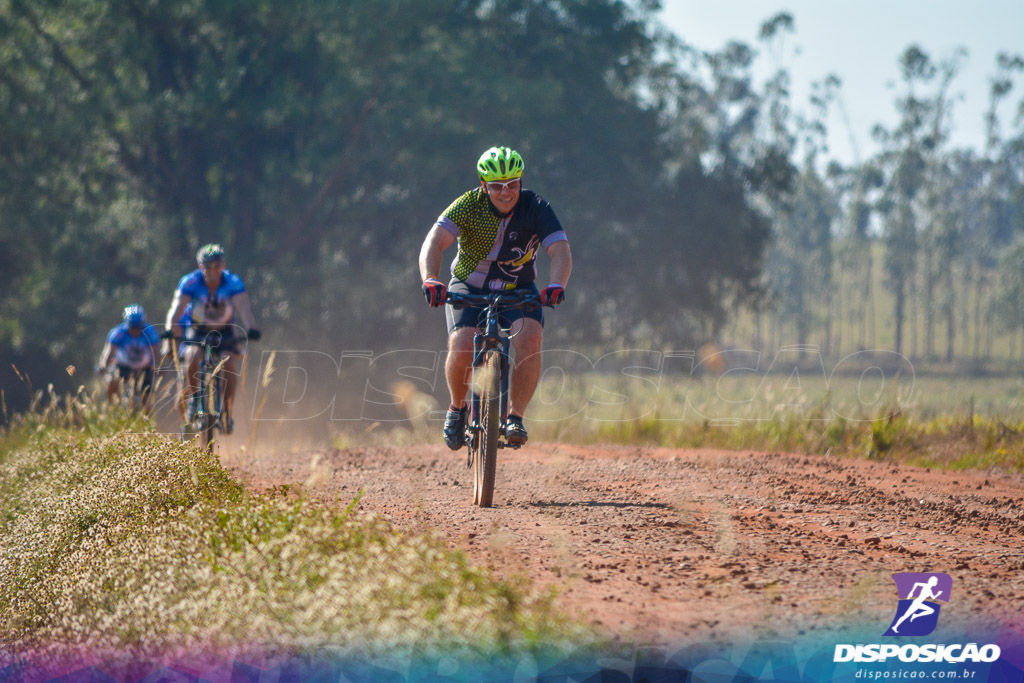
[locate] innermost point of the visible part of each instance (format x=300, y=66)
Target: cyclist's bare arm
x=174, y=314
x=244, y=310
x=107, y=355
x=561, y=262
x=438, y=239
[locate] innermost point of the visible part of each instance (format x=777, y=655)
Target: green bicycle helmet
x=209, y=253
x=500, y=163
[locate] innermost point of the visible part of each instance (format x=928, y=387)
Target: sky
x=861, y=42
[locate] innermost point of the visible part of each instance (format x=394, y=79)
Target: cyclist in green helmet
x=500, y=228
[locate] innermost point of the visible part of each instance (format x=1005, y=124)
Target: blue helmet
x=134, y=316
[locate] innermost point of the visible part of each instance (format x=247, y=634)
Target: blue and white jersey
x=212, y=309
x=186, y=318
x=135, y=352
x=186, y=322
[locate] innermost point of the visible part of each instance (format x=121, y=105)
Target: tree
x=905, y=150
x=1008, y=304
x=318, y=141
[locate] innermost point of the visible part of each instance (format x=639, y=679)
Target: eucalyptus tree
x=719, y=178
x=799, y=266
x=939, y=227
x=957, y=214
x=904, y=155
x=1007, y=302
x=857, y=186
x=998, y=181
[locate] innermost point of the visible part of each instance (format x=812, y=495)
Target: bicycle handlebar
x=506, y=301
x=204, y=339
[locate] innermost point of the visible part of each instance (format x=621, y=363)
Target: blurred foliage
x=318, y=141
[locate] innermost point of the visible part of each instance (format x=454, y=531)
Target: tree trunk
x=950, y=313
x=990, y=333
x=929, y=306
x=913, y=316
x=897, y=315
x=837, y=343
x=977, y=317
x=870, y=313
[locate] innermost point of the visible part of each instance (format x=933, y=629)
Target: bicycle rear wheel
x=486, y=461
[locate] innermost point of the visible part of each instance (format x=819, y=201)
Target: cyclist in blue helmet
x=218, y=303
x=500, y=229
x=131, y=354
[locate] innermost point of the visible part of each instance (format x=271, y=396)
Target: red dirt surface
x=660, y=546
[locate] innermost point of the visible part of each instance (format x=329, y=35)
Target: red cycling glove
x=552, y=295
x=434, y=292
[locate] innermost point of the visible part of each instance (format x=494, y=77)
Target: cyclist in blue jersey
x=219, y=303
x=130, y=353
x=500, y=228
x=185, y=321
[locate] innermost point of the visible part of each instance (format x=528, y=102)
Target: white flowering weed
x=134, y=543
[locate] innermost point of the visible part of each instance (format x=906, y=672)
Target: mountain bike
x=205, y=410
x=485, y=431
x=133, y=391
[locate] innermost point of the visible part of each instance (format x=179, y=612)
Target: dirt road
x=661, y=546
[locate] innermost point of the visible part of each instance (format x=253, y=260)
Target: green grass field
x=928, y=418
x=944, y=421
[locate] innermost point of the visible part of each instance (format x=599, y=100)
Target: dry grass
x=135, y=544
x=952, y=423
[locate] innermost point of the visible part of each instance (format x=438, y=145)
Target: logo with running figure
x=918, y=610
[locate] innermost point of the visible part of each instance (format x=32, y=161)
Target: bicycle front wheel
x=206, y=429
x=212, y=406
x=486, y=463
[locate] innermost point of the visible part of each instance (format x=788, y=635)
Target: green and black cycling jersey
x=498, y=252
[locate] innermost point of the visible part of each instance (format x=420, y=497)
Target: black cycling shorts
x=128, y=374
x=473, y=317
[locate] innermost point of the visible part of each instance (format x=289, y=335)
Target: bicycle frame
x=489, y=413
x=207, y=401
x=491, y=338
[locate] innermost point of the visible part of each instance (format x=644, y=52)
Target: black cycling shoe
x=515, y=432
x=455, y=427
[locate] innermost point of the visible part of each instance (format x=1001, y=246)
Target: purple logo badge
x=918, y=610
